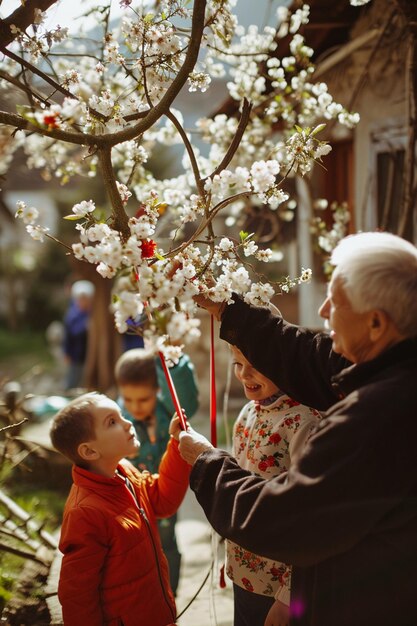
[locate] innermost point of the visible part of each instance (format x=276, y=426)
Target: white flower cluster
x=328, y=238
x=199, y=81
x=289, y=283
x=303, y=149
x=29, y=215
x=118, y=85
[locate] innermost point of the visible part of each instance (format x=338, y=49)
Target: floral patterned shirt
x=266, y=437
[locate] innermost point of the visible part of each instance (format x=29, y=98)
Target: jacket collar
x=84, y=478
x=359, y=374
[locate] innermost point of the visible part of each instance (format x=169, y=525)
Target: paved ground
x=200, y=547
x=202, y=557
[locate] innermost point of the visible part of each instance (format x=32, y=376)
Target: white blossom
x=260, y=295
x=105, y=270
x=37, y=232
x=29, y=215
x=225, y=245
x=83, y=208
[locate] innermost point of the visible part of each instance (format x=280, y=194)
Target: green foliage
x=6, y=580
x=46, y=301
x=45, y=505
x=22, y=351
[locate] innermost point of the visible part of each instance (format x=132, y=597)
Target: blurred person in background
x=76, y=322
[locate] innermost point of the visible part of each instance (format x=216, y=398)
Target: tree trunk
x=104, y=343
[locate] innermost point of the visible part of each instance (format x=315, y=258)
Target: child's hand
x=278, y=615
x=175, y=426
x=192, y=444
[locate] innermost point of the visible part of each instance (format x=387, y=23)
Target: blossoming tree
x=100, y=104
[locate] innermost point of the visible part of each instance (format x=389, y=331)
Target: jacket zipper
x=157, y=561
x=147, y=523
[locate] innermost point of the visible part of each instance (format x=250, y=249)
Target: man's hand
x=192, y=444
x=278, y=615
x=214, y=308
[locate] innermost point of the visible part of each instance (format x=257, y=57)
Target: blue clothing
x=75, y=344
x=132, y=339
x=150, y=453
x=75, y=333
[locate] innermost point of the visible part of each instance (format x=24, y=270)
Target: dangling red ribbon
x=213, y=407
x=173, y=392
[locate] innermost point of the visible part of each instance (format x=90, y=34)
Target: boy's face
x=139, y=400
x=115, y=437
x=255, y=385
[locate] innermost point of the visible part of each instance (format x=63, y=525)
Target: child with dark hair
x=113, y=570
x=145, y=400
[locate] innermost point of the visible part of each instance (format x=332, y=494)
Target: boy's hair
x=136, y=367
x=73, y=425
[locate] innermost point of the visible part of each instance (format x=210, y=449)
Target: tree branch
x=190, y=152
x=243, y=122
x=23, y=17
x=177, y=84
x=120, y=219
x=112, y=139
x=27, y=90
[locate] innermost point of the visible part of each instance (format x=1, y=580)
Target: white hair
x=82, y=288
x=379, y=271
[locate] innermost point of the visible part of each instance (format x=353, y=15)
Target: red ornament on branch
x=148, y=248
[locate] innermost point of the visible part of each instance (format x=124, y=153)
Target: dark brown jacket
x=345, y=515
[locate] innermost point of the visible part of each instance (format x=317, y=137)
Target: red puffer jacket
x=113, y=570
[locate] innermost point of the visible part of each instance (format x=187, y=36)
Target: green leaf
x=317, y=129
x=159, y=257
x=243, y=235
x=27, y=114
x=73, y=217
x=148, y=18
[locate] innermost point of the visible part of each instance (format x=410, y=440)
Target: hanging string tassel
x=222, y=581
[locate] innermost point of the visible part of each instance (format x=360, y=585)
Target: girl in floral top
x=267, y=435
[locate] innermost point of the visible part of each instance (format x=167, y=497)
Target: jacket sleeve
x=301, y=362
x=166, y=490
x=332, y=497
x=84, y=552
x=183, y=377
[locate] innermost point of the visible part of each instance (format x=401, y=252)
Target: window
x=386, y=188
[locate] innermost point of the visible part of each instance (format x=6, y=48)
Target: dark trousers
x=250, y=609
x=166, y=529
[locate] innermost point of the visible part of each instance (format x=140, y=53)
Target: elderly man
x=345, y=515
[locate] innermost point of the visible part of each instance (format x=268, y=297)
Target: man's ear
x=87, y=452
x=378, y=324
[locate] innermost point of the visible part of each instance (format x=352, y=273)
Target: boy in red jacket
x=113, y=571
